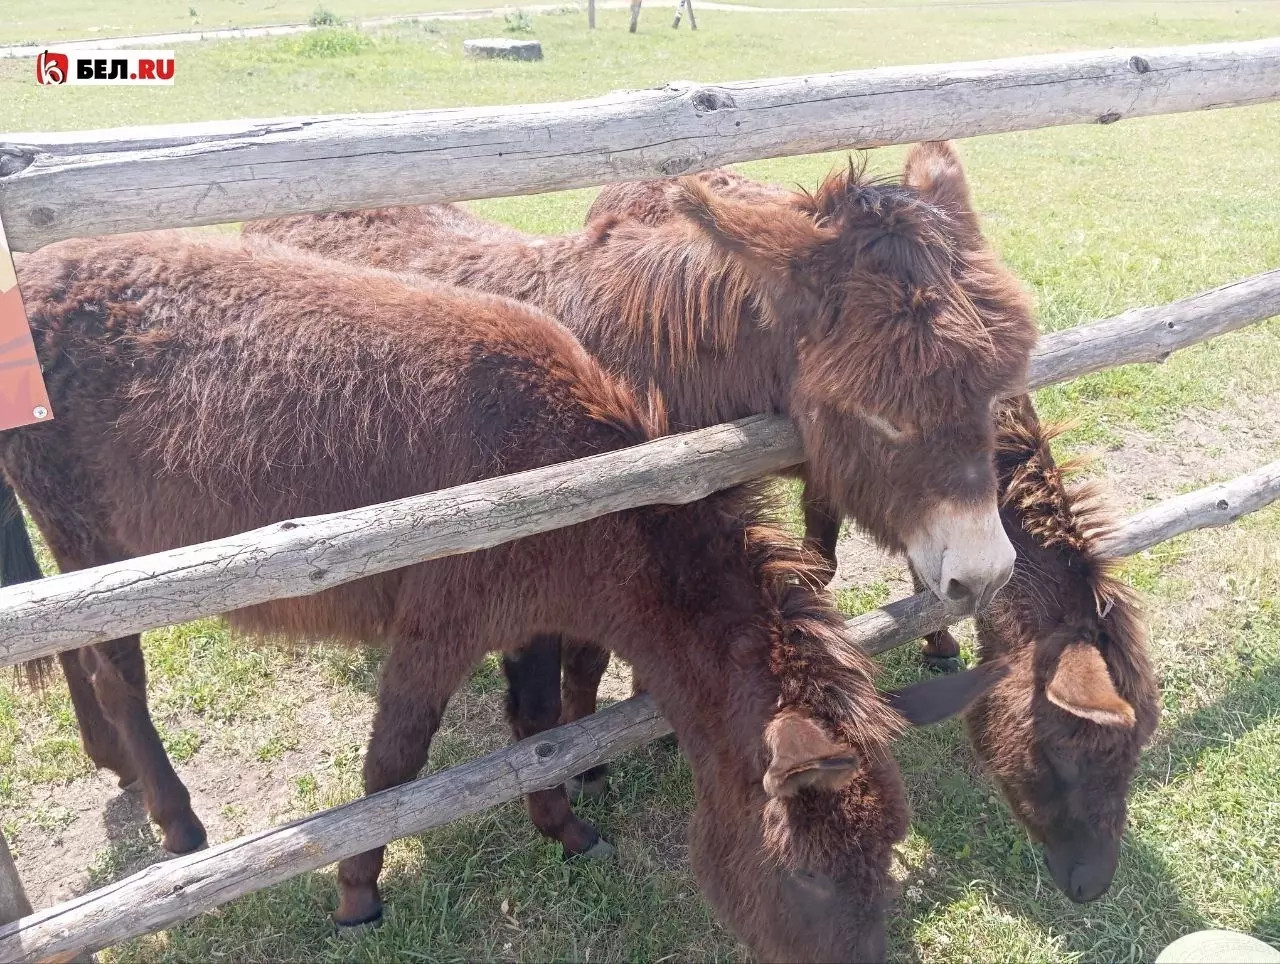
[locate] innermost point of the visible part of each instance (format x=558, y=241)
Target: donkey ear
x=1081, y=684
x=774, y=238
x=934, y=700
x=803, y=755
x=933, y=168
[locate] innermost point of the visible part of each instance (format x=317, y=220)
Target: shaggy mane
x=811, y=656
x=674, y=288
x=1059, y=513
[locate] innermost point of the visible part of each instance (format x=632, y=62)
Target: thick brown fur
x=1065, y=776
x=206, y=388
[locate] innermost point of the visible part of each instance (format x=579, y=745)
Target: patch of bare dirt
x=1201, y=448
x=108, y=835
x=104, y=833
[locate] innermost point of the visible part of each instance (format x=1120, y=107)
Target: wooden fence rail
x=305, y=556
x=55, y=186
x=166, y=893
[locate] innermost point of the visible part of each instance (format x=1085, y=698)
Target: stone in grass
x=503, y=47
x=1218, y=947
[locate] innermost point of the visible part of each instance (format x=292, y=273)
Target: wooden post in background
x=681, y=7
x=13, y=899
x=635, y=14
x=591, y=14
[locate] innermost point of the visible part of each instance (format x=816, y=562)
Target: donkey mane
x=1073, y=516
x=811, y=657
x=675, y=292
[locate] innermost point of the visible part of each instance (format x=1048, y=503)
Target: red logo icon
x=52, y=68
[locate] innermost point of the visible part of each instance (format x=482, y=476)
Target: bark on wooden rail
x=166, y=893
x=307, y=555
x=55, y=186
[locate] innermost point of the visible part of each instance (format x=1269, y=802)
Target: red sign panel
x=23, y=398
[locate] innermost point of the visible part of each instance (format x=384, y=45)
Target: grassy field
x=1095, y=220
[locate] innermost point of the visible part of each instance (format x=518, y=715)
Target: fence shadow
x=1178, y=747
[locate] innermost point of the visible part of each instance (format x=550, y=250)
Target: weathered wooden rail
x=305, y=556
x=55, y=186
x=164, y=894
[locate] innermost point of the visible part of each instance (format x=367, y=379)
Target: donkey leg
x=119, y=678
x=821, y=530
x=412, y=696
x=97, y=733
x=533, y=705
x=940, y=652
x=584, y=665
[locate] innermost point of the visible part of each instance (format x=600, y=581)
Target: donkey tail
x=18, y=564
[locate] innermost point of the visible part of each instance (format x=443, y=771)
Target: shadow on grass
x=131, y=842
x=1266, y=927
x=1179, y=745
x=983, y=872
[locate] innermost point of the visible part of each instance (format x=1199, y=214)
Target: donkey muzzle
x=963, y=555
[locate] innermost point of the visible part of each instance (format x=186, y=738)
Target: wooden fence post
x=591, y=14
x=635, y=14
x=681, y=7
x=13, y=899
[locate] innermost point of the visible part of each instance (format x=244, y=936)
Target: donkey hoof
x=600, y=850
x=185, y=840
x=580, y=789
x=942, y=664
x=353, y=928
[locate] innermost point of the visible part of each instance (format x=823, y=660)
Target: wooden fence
x=57, y=186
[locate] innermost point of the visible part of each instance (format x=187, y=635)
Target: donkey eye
x=886, y=428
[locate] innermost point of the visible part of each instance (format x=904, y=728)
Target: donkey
x=650, y=202
x=1062, y=732
x=205, y=388
x=872, y=313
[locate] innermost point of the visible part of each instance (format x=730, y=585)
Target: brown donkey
x=872, y=313
x=653, y=202
x=206, y=388
x=1061, y=734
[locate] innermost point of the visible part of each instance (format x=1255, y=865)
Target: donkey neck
x=640, y=301
x=713, y=684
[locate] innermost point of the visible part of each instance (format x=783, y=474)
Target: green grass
x=64, y=20
x=1095, y=220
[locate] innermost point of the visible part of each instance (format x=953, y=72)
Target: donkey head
x=797, y=858
x=1061, y=737
x=909, y=330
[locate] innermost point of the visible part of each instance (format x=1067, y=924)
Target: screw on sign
x=23, y=398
